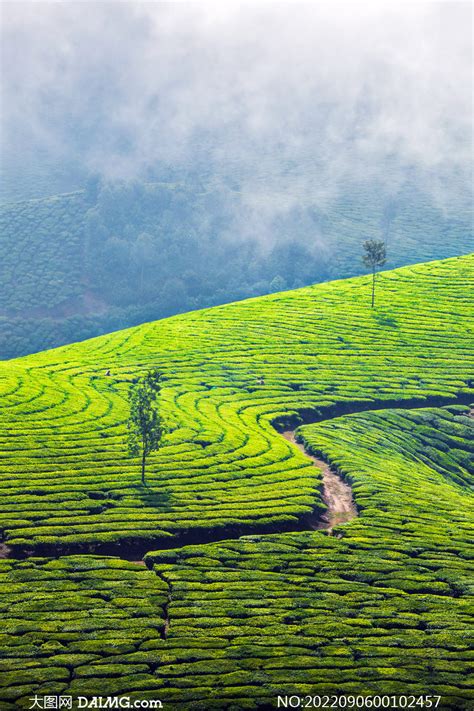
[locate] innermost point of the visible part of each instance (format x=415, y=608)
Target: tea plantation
x=85, y=263
x=241, y=601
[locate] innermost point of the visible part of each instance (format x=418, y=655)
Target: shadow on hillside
x=152, y=497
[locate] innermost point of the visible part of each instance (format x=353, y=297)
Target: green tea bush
x=380, y=606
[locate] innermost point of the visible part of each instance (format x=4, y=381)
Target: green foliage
x=83, y=264
x=145, y=426
x=65, y=474
x=375, y=254
x=382, y=606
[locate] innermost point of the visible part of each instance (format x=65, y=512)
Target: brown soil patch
x=337, y=494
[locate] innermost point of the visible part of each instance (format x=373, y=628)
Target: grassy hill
x=382, y=606
x=88, y=262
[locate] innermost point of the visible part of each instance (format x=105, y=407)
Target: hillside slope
x=314, y=347
x=383, y=609
x=82, y=264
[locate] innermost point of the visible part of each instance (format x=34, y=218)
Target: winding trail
x=337, y=494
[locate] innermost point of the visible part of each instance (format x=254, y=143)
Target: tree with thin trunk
x=374, y=256
x=145, y=425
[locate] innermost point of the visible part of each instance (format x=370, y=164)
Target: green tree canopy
x=375, y=254
x=145, y=424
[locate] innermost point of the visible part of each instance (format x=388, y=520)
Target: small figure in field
x=108, y=372
x=261, y=381
x=375, y=256
x=145, y=425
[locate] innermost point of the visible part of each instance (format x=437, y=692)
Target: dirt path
x=337, y=495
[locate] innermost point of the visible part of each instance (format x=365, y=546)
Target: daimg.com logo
x=94, y=702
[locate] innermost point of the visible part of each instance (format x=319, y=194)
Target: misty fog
x=289, y=97
x=316, y=124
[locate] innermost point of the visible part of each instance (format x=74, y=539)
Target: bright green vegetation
x=384, y=608
x=145, y=425
x=82, y=264
x=65, y=474
x=418, y=443
x=85, y=620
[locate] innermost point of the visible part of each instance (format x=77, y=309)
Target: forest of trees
x=171, y=246
x=117, y=254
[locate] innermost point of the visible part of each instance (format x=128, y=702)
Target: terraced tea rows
x=65, y=474
x=75, y=265
x=84, y=612
x=232, y=624
x=385, y=609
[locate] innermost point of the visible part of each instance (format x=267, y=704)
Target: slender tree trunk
x=143, y=468
x=373, y=287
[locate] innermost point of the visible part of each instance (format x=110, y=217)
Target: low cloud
x=286, y=101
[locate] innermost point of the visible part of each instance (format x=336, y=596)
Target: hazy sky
x=289, y=97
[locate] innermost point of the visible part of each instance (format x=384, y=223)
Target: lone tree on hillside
x=374, y=256
x=145, y=425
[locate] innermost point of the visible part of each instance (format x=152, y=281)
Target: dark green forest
x=118, y=254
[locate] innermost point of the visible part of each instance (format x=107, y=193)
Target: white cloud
x=292, y=98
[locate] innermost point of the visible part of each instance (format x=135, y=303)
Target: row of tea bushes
x=71, y=620
x=66, y=478
x=381, y=607
x=47, y=235
x=231, y=625
x=81, y=264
